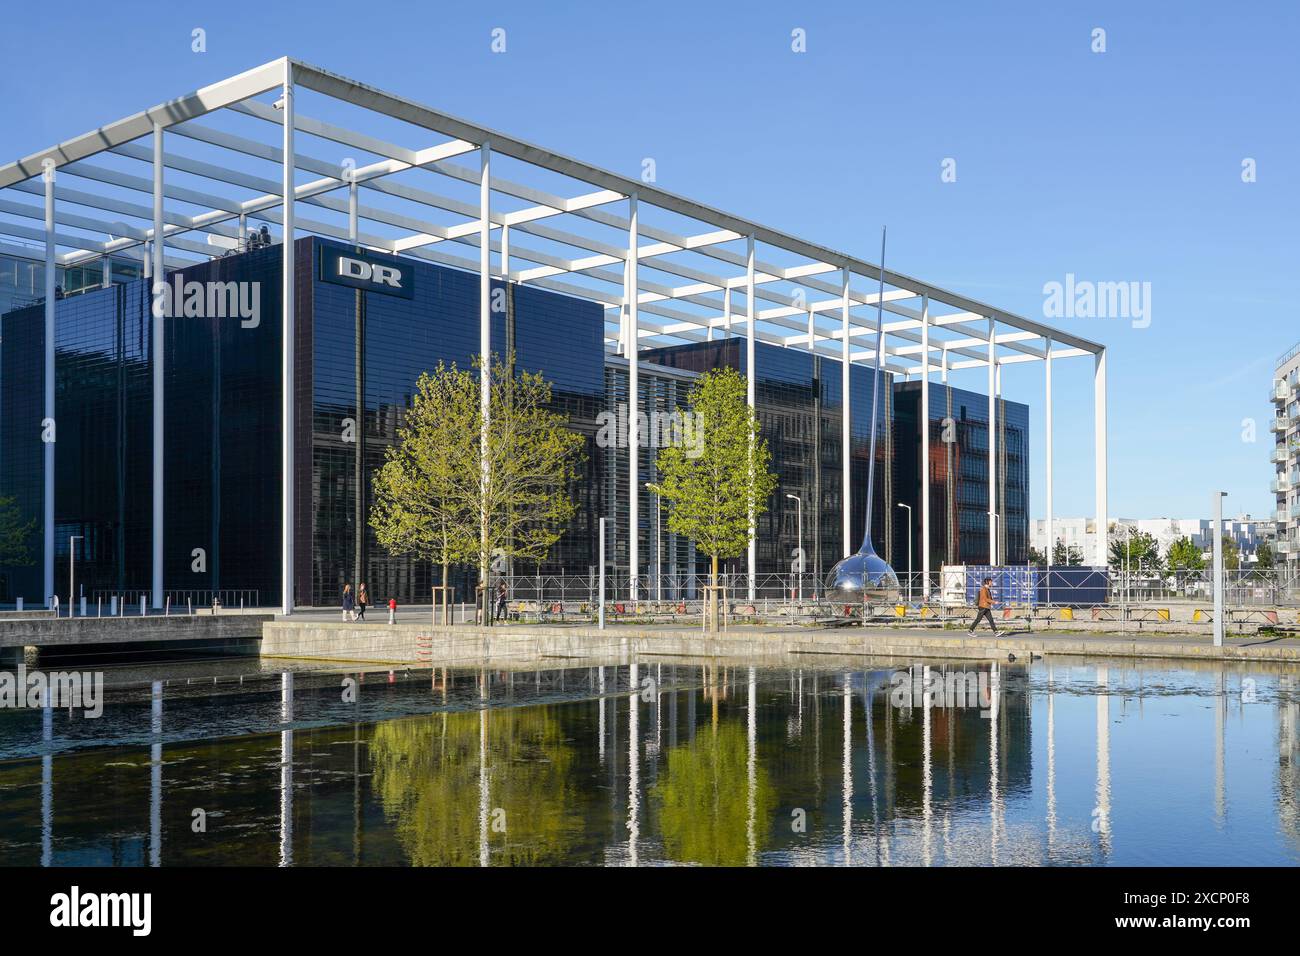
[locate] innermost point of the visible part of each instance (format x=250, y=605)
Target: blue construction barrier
x=1029, y=586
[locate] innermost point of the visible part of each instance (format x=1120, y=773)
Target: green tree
x=718, y=483
x=1135, y=550
x=14, y=534
x=1184, y=556
x=456, y=504
x=1063, y=556
x=1037, y=557
x=423, y=502
x=1264, y=557
x=1231, y=554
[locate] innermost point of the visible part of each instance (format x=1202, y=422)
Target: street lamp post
x=799, y=534
x=659, y=553
x=72, y=572
x=909, y=550
x=1218, y=567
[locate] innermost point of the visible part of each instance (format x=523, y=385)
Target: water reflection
x=1062, y=763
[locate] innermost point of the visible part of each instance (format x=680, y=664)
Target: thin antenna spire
x=875, y=393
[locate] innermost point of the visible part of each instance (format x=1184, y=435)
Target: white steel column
x=846, y=425
x=925, y=449
x=485, y=357
x=993, y=444
x=726, y=311
x=504, y=253
x=1047, y=366
x=159, y=314
x=352, y=206
x=751, y=313
x=631, y=348
x=287, y=347
x=1099, y=440
x=49, y=429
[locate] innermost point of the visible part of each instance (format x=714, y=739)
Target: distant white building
x=1081, y=533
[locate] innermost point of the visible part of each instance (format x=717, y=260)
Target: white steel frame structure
x=665, y=267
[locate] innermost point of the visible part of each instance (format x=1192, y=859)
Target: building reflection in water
x=425, y=766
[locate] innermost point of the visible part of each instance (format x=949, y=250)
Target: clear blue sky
x=1120, y=166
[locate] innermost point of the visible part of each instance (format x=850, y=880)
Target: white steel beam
x=158, y=355
x=287, y=348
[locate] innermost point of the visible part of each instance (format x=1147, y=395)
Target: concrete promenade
x=409, y=644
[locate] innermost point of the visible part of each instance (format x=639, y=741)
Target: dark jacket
x=347, y=601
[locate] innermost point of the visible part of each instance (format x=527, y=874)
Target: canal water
x=872, y=764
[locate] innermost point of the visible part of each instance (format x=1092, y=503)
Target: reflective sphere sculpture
x=864, y=571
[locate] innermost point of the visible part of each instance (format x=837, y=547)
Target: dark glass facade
x=959, y=475
x=799, y=404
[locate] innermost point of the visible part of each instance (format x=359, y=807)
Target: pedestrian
x=348, y=604
x=501, y=600
x=985, y=604
x=363, y=598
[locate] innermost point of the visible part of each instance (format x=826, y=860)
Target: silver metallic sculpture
x=865, y=577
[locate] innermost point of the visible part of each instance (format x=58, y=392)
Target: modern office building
x=797, y=399
x=959, y=475
x=1285, y=427
x=360, y=355
x=402, y=181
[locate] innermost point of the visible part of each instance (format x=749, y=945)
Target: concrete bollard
x=142, y=605
x=83, y=605
x=19, y=604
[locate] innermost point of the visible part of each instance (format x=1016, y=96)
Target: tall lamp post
x=72, y=572
x=1218, y=567
x=909, y=550
x=799, y=534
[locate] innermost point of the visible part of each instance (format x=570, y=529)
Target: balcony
x=1281, y=423
x=1294, y=513
x=1279, y=486
x=1280, y=392
x=1279, y=455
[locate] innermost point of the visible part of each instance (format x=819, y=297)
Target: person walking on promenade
x=985, y=604
x=348, y=604
x=363, y=598
x=501, y=600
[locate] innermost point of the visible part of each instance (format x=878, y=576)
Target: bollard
x=167, y=606
x=189, y=604
x=99, y=606
x=19, y=604
x=83, y=605
x=142, y=611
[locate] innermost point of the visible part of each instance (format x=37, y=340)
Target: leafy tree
x=1063, y=556
x=1264, y=557
x=422, y=502
x=440, y=496
x=1184, y=556
x=1037, y=557
x=1135, y=550
x=1231, y=554
x=716, y=485
x=14, y=534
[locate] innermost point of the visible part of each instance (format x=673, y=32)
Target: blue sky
x=1115, y=166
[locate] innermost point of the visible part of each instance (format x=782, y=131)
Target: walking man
x=985, y=604
x=501, y=600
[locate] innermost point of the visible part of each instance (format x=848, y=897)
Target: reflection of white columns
x=751, y=768
x=286, y=769
x=47, y=781
x=846, y=425
x=1051, y=765
x=633, y=768
x=483, y=847
x=1220, y=728
x=751, y=377
x=1102, y=812
x=155, y=775
x=995, y=797
x=848, y=766
x=600, y=728
x=927, y=769
x=925, y=450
